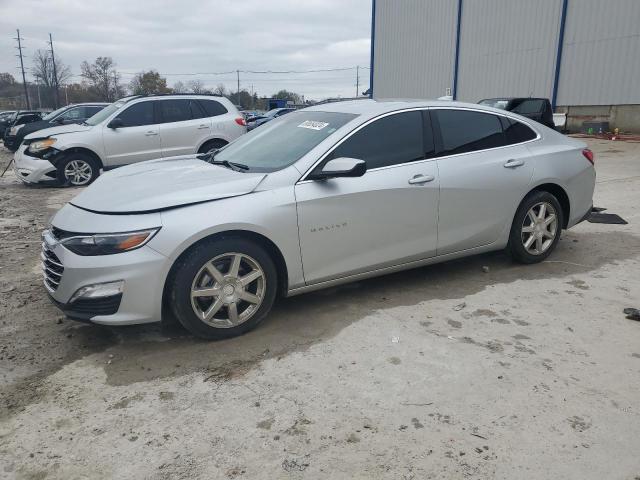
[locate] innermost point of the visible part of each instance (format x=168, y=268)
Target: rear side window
x=174, y=110
x=213, y=108
x=137, y=115
x=467, y=131
x=516, y=132
x=196, y=110
x=392, y=140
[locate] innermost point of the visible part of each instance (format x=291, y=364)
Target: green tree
x=146, y=83
x=290, y=96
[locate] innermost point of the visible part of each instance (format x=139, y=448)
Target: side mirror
x=116, y=123
x=342, y=167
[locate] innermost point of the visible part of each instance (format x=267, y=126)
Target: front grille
x=52, y=268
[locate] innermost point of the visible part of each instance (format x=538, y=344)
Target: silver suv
x=130, y=130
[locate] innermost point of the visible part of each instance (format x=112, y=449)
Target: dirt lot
x=448, y=371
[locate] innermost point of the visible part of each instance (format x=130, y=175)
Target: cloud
x=190, y=36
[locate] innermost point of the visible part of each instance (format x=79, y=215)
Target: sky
x=202, y=37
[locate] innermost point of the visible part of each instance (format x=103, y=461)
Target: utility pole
x=238, y=97
x=55, y=73
x=24, y=78
x=39, y=101
x=357, y=80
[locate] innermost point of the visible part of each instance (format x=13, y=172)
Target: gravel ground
x=448, y=371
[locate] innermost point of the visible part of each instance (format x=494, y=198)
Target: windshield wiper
x=209, y=157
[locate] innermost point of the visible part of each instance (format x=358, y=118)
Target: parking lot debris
x=395, y=339
x=632, y=313
x=460, y=306
x=485, y=269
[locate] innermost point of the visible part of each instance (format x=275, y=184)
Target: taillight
x=241, y=121
x=588, y=154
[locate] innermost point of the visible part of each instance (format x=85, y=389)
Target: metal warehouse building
x=584, y=55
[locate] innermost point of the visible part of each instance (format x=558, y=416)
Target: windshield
x=55, y=113
x=283, y=141
x=106, y=112
x=495, y=103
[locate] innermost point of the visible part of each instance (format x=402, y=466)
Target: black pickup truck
x=538, y=109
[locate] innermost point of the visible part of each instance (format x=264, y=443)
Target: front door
x=136, y=140
x=387, y=217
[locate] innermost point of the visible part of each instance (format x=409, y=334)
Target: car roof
x=377, y=107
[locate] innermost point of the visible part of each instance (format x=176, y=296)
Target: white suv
x=130, y=130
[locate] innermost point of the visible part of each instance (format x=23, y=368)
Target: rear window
x=528, y=107
x=213, y=108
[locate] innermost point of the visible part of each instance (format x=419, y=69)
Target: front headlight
x=15, y=129
x=41, y=145
x=108, y=243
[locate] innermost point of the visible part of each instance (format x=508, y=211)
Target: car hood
x=163, y=184
x=33, y=127
x=59, y=130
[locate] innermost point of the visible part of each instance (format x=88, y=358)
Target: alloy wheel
x=228, y=290
x=78, y=172
x=539, y=228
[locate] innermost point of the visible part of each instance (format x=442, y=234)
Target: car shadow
x=144, y=352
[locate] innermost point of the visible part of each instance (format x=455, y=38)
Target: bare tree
x=220, y=90
x=103, y=78
x=196, y=86
x=43, y=72
x=180, y=87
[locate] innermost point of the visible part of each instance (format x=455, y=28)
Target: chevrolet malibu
x=317, y=198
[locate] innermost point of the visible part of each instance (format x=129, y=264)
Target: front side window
x=391, y=140
x=174, y=110
x=283, y=141
x=72, y=114
x=137, y=115
x=467, y=131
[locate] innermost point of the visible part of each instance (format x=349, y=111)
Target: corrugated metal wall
x=601, y=53
x=414, y=45
x=507, y=48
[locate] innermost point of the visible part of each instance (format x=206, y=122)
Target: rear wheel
x=77, y=169
x=223, y=288
x=536, y=228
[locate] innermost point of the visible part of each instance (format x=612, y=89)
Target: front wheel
x=223, y=288
x=536, y=228
x=77, y=170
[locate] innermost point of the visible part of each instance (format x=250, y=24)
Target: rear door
x=138, y=139
x=184, y=126
x=483, y=177
x=387, y=217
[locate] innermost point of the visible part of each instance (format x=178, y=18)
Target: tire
x=194, y=272
x=84, y=167
x=211, y=145
x=532, y=241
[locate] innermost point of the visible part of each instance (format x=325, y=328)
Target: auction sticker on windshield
x=313, y=125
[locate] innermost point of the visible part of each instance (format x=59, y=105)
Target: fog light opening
x=98, y=290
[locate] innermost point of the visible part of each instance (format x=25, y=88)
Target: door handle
x=202, y=127
x=151, y=133
x=514, y=163
x=420, y=179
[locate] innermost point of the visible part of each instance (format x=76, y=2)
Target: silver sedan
x=317, y=198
